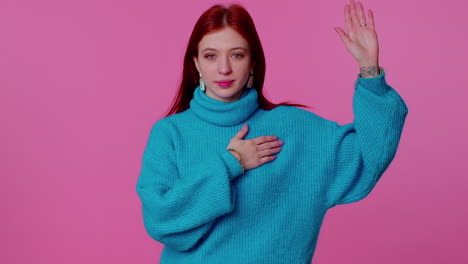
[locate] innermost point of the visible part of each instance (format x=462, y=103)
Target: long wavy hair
x=213, y=19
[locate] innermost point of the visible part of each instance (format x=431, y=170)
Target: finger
x=263, y=139
x=242, y=132
x=371, y=20
x=360, y=12
x=268, y=152
x=348, y=20
x=344, y=37
x=267, y=159
x=269, y=145
x=354, y=16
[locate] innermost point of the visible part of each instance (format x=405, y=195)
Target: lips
x=225, y=83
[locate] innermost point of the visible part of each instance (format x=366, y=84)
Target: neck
x=224, y=113
x=227, y=100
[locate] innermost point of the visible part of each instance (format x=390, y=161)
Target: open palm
x=360, y=40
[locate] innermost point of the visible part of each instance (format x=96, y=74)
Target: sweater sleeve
x=364, y=149
x=179, y=211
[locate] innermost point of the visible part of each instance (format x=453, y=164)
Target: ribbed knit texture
x=196, y=201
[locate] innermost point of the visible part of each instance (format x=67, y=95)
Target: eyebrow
x=230, y=49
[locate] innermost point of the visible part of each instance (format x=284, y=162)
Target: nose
x=224, y=66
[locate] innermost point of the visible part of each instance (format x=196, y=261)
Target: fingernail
x=281, y=142
x=245, y=125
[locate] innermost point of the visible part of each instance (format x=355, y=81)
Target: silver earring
x=202, y=84
x=250, y=82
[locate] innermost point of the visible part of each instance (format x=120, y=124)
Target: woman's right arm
x=179, y=212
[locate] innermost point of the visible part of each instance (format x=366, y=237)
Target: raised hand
x=360, y=39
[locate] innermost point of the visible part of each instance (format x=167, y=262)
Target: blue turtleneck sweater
x=196, y=201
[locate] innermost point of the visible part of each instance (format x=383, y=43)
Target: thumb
x=242, y=132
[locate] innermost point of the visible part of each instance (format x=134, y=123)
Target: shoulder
x=164, y=130
x=162, y=125
x=171, y=127
x=170, y=123
x=301, y=116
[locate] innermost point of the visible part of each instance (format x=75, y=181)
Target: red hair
x=213, y=19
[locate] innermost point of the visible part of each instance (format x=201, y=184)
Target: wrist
x=237, y=155
x=369, y=70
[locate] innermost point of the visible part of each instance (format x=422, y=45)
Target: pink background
x=82, y=82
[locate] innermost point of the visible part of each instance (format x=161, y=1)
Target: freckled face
x=224, y=61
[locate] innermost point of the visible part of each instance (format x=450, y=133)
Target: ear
x=254, y=63
x=195, y=59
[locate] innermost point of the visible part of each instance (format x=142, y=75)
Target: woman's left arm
x=362, y=150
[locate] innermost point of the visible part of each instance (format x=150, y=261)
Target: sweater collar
x=224, y=113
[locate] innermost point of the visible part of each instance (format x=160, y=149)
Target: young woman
x=216, y=190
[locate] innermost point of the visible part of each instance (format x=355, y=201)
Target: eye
x=238, y=55
x=209, y=56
